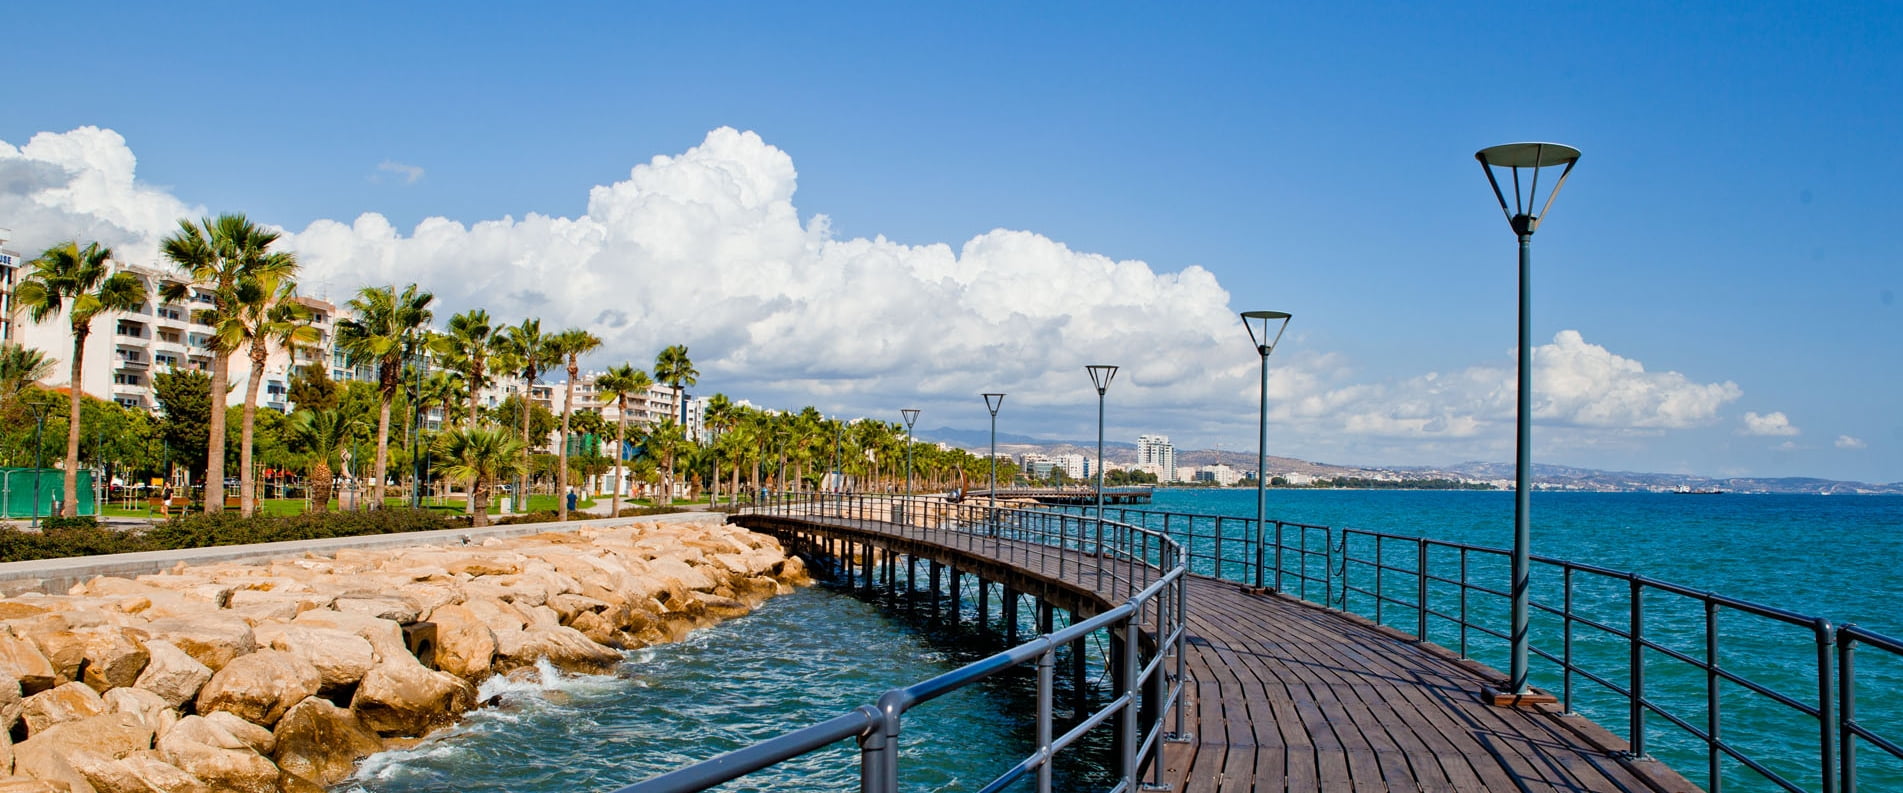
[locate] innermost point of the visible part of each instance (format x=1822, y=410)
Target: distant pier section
x=1070, y=495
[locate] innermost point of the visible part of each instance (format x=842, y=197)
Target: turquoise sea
x=811, y=655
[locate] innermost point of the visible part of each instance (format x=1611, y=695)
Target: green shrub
x=641, y=512
x=57, y=522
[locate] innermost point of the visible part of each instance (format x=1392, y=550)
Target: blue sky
x=1731, y=220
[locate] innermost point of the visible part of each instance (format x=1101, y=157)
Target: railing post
x=1278, y=556
x=1636, y=632
x=1127, y=752
x=1846, y=710
x=1826, y=710
x=1046, y=664
x=1566, y=640
x=1715, y=780
x=1464, y=619
x=1420, y=569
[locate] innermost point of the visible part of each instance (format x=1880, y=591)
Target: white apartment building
x=126, y=348
x=10, y=266
x=649, y=409
x=1219, y=474
x=1155, y=455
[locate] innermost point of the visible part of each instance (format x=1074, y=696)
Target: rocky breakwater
x=279, y=676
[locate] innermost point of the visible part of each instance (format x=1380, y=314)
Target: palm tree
x=674, y=368
x=386, y=327
x=527, y=347
x=468, y=346
x=68, y=277
x=446, y=390
x=570, y=344
x=666, y=442
x=219, y=254
x=720, y=417
x=620, y=383
x=268, y=313
x=20, y=366
x=478, y=456
x=323, y=434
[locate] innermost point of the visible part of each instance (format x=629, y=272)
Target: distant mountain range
x=1552, y=477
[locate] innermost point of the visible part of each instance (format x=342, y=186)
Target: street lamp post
x=1100, y=376
x=992, y=403
x=39, y=427
x=1525, y=220
x=1258, y=324
x=911, y=418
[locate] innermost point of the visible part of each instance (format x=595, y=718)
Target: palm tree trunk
x=522, y=495
x=215, y=460
x=561, y=470
x=383, y=451
x=473, y=396
x=479, y=495
x=322, y=483
x=247, y=492
x=70, y=488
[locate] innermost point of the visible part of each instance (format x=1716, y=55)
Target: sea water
x=806, y=657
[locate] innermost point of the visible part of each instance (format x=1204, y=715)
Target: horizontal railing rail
x=1143, y=567
x=1607, y=633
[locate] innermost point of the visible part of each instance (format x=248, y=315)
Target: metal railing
x=1142, y=566
x=1615, y=632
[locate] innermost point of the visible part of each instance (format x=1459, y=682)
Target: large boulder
x=64, y=649
x=385, y=637
x=9, y=702
x=211, y=641
x=45, y=763
x=257, y=738
x=464, y=644
x=22, y=660
x=94, y=747
x=340, y=658
x=114, y=658
x=260, y=686
x=209, y=752
x=395, y=609
x=150, y=709
x=407, y=699
x=70, y=702
x=321, y=742
x=563, y=646
x=153, y=774
x=171, y=673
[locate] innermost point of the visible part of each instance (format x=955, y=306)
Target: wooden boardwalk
x=1286, y=696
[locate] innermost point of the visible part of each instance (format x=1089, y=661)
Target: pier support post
x=1010, y=609
x=984, y=603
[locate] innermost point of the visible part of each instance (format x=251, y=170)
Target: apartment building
x=10, y=266
x=644, y=410
x=125, y=349
x=1155, y=455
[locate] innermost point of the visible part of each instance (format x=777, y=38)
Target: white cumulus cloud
x=1850, y=442
x=1771, y=424
x=707, y=248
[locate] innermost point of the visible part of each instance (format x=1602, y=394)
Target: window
x=126, y=378
x=166, y=359
x=172, y=313
x=128, y=402
x=132, y=329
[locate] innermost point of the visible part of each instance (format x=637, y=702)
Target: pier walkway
x=1283, y=695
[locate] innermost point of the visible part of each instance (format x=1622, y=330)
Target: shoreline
x=281, y=673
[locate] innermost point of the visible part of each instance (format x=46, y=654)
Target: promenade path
x=1283, y=695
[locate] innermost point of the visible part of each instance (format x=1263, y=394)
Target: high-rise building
x=1157, y=456
x=10, y=263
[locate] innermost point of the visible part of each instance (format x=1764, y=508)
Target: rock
x=499, y=616
x=257, y=738
x=260, y=686
x=157, y=775
x=64, y=649
x=94, y=747
x=484, y=565
x=171, y=673
x=9, y=703
x=14, y=609
x=464, y=645
x=385, y=637
x=722, y=607
x=45, y=763
x=150, y=709
x=224, y=769
x=22, y=660
x=340, y=658
x=70, y=702
x=321, y=743
x=114, y=658
x=212, y=642
x=564, y=647
x=396, y=610
x=21, y=784
x=407, y=699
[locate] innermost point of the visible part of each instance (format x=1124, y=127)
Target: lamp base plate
x=1501, y=698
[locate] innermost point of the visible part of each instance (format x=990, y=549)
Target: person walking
x=572, y=498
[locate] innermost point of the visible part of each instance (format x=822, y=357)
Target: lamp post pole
x=992, y=403
x=1525, y=220
x=1100, y=376
x=911, y=418
x=1258, y=323
x=39, y=426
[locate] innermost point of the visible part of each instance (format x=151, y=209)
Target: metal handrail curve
x=1435, y=584
x=877, y=727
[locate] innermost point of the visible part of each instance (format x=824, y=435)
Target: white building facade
x=1155, y=455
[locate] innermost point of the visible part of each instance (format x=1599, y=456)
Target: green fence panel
x=17, y=491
